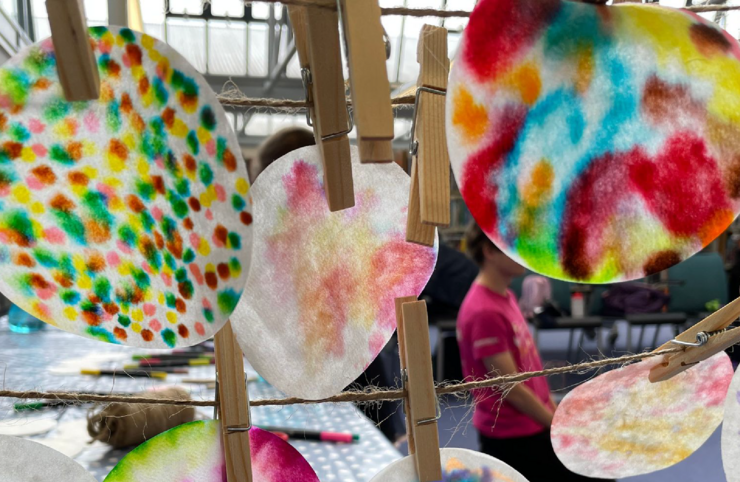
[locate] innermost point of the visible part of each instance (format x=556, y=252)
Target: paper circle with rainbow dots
x=596, y=143
x=457, y=465
x=127, y=218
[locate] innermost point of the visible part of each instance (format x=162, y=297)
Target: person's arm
x=521, y=396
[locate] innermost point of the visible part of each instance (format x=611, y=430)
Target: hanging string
x=433, y=12
x=369, y=395
x=236, y=99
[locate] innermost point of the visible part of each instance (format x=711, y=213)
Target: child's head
x=487, y=255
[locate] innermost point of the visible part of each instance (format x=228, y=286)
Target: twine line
x=370, y=395
x=434, y=12
x=237, y=100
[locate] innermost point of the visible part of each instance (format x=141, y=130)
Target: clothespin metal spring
x=414, y=144
x=234, y=428
x=424, y=421
x=701, y=338
x=307, y=81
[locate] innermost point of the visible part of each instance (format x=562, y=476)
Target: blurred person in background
x=494, y=339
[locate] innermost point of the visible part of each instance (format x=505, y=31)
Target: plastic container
x=21, y=322
x=577, y=305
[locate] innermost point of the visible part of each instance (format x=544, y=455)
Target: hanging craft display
x=194, y=451
x=20, y=463
x=457, y=465
x=596, y=143
x=619, y=424
x=731, y=431
x=127, y=218
x=319, y=301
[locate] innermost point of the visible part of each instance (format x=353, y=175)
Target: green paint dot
x=101, y=334
x=237, y=202
x=235, y=241
x=205, y=173
x=170, y=300
x=193, y=144
x=128, y=235
x=169, y=260
x=179, y=207
x=235, y=267
x=56, y=110
x=72, y=225
x=70, y=297
x=18, y=132
x=145, y=190
x=60, y=154
x=207, y=118
x=45, y=258
x=182, y=186
x=208, y=315
x=128, y=35
x=20, y=224
x=181, y=275
x=189, y=256
x=186, y=289
x=227, y=301
x=102, y=289
x=169, y=337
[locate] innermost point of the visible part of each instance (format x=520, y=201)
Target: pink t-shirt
x=488, y=324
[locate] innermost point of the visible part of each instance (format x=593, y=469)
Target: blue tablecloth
x=32, y=361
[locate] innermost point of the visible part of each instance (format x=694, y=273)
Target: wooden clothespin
x=371, y=91
x=429, y=198
x=316, y=34
x=421, y=403
x=233, y=405
x=76, y=65
x=701, y=341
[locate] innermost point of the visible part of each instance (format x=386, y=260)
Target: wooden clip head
x=371, y=90
x=233, y=405
x=76, y=65
x=703, y=340
x=316, y=34
x=421, y=403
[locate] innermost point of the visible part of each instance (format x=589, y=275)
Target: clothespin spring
x=234, y=428
x=307, y=81
x=414, y=144
x=424, y=421
x=701, y=338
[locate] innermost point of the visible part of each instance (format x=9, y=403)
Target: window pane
x=9, y=7
x=227, y=8
x=152, y=11
x=393, y=26
x=259, y=125
x=96, y=12
x=260, y=10
x=294, y=68
x=41, y=28
x=227, y=47
x=156, y=30
x=257, y=64
x=453, y=40
x=458, y=23
x=188, y=37
x=191, y=7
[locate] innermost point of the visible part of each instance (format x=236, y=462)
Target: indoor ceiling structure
x=249, y=46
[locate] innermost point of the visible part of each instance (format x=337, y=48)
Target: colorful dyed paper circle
x=20, y=463
x=596, y=143
x=194, y=452
x=128, y=218
x=319, y=302
x=458, y=465
x=731, y=431
x=620, y=425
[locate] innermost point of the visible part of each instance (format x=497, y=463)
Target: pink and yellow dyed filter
x=126, y=219
x=619, y=424
x=319, y=302
x=596, y=143
x=193, y=452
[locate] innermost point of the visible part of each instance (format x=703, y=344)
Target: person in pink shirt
x=494, y=339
